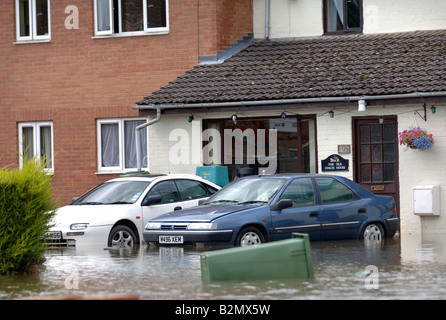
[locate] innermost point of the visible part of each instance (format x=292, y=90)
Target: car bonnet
x=202, y=213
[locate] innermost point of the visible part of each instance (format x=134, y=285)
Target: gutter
x=289, y=101
x=137, y=138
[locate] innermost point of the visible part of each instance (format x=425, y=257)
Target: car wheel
x=249, y=236
x=121, y=236
x=373, y=232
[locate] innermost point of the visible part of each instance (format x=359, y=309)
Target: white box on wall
x=426, y=200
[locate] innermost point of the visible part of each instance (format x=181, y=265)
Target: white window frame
x=36, y=141
x=33, y=36
x=96, y=23
x=146, y=31
x=121, y=167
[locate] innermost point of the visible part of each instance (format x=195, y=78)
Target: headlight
x=201, y=226
x=153, y=225
x=79, y=226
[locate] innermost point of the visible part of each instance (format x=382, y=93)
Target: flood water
x=410, y=267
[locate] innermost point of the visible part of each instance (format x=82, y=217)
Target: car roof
x=294, y=175
x=146, y=176
x=291, y=175
x=357, y=188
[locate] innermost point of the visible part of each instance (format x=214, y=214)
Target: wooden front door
x=375, y=147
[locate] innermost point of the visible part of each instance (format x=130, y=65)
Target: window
x=295, y=145
x=33, y=20
x=300, y=191
x=167, y=190
x=190, y=189
x=36, y=140
x=117, y=145
x=377, y=152
x=116, y=192
x=131, y=17
x=333, y=191
x=342, y=16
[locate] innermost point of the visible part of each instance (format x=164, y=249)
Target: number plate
x=171, y=239
x=54, y=235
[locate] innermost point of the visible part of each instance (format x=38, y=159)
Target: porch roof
x=335, y=67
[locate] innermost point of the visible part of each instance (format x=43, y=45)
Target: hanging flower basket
x=416, y=138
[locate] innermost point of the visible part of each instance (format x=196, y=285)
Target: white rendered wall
x=415, y=167
x=304, y=18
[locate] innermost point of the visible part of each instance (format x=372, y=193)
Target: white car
x=115, y=212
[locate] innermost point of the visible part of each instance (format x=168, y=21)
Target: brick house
x=335, y=79
x=71, y=70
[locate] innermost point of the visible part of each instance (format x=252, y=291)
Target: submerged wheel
x=249, y=236
x=373, y=232
x=121, y=236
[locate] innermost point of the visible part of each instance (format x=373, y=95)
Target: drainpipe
x=138, y=144
x=267, y=14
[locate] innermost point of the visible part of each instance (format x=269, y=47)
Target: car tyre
x=373, y=232
x=249, y=236
x=122, y=236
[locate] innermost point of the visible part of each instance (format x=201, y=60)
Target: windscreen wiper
x=252, y=201
x=120, y=202
x=223, y=201
x=89, y=203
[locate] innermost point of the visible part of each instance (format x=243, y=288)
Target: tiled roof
x=326, y=66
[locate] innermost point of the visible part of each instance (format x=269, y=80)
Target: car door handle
x=362, y=210
x=177, y=208
x=314, y=214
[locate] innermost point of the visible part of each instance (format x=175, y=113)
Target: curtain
x=103, y=15
x=335, y=14
x=24, y=18
x=110, y=145
x=130, y=144
x=28, y=142
x=45, y=146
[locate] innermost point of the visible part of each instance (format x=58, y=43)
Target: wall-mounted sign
x=334, y=163
x=343, y=148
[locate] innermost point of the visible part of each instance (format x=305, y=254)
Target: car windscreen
x=248, y=190
x=114, y=192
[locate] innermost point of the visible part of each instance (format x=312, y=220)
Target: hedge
x=26, y=211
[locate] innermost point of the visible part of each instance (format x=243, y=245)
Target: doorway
x=375, y=147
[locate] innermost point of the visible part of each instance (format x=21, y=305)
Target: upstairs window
x=33, y=20
x=131, y=17
x=342, y=16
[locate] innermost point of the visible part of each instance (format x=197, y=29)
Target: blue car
x=257, y=209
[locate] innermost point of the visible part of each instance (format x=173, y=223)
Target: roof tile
x=326, y=66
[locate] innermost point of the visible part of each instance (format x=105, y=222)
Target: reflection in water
x=410, y=268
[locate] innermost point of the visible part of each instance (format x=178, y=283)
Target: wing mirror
x=282, y=204
x=151, y=200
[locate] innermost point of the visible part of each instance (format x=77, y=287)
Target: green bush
x=26, y=210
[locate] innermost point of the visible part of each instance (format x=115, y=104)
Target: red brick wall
x=75, y=79
x=234, y=18
x=222, y=23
